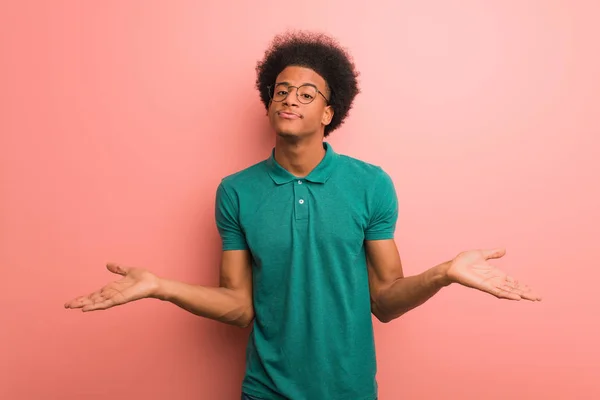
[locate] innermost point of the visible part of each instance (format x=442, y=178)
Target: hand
x=470, y=268
x=136, y=284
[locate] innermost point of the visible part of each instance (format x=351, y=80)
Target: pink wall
x=118, y=120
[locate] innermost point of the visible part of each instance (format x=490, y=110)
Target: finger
x=494, y=253
x=78, y=302
x=101, y=305
x=117, y=269
x=529, y=294
x=505, y=292
x=72, y=303
x=522, y=290
x=512, y=284
x=511, y=289
x=97, y=297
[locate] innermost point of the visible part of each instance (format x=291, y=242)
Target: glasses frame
x=297, y=91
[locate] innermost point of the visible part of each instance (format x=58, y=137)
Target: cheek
x=271, y=113
x=319, y=117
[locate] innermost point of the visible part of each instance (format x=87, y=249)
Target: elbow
x=387, y=318
x=384, y=318
x=240, y=311
x=245, y=318
x=382, y=314
x=244, y=322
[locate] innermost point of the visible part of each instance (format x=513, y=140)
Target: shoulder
x=363, y=171
x=245, y=178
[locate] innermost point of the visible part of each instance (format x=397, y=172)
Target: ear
x=327, y=115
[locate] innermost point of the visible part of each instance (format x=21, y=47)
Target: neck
x=299, y=158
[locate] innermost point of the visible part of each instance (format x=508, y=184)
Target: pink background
x=118, y=119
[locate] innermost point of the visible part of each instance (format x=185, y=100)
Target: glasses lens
x=306, y=94
x=279, y=92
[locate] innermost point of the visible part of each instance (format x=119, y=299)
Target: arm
x=393, y=295
x=230, y=303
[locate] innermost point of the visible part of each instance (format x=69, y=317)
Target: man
x=308, y=243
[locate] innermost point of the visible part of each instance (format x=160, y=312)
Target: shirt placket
x=300, y=200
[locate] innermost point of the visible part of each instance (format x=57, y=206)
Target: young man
x=308, y=244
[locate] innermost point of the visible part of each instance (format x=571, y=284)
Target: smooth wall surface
x=119, y=118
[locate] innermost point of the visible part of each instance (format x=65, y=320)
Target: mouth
x=288, y=115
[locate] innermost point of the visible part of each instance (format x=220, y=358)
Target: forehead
x=298, y=75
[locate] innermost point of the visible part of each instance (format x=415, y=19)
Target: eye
x=307, y=96
x=281, y=92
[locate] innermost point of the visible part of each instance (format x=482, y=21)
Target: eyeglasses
x=304, y=93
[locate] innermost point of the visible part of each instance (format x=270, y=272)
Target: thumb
x=117, y=269
x=494, y=253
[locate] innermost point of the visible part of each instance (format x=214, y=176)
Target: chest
x=299, y=217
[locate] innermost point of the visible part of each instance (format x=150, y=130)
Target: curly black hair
x=322, y=54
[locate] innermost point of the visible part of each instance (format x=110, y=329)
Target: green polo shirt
x=312, y=337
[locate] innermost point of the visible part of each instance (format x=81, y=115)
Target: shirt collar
x=320, y=174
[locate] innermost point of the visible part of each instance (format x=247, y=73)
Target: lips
x=288, y=115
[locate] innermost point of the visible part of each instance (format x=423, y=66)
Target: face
x=292, y=117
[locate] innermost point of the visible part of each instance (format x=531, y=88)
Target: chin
x=285, y=131
x=289, y=135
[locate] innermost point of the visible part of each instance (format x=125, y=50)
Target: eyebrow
x=289, y=84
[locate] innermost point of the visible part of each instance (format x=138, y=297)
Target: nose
x=292, y=97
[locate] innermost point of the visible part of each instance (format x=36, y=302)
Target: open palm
x=471, y=268
x=136, y=284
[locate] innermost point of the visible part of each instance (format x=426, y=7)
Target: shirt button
x=301, y=201
x=299, y=182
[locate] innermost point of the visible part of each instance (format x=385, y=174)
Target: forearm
x=217, y=303
x=404, y=294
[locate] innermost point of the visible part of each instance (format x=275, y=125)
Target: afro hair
x=322, y=54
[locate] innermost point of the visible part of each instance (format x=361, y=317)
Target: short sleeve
x=227, y=219
x=384, y=210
